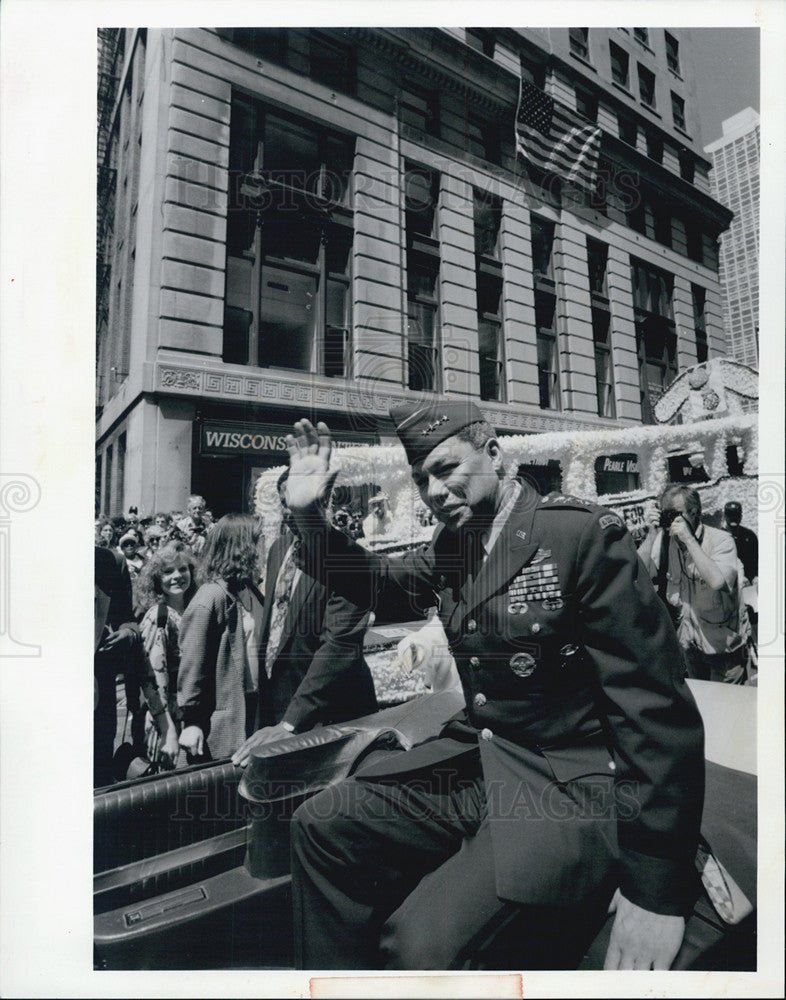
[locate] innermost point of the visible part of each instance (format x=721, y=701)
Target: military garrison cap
x=422, y=426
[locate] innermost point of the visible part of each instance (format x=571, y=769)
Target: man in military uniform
x=574, y=780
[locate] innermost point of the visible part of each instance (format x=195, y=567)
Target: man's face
x=677, y=502
x=457, y=482
x=732, y=520
x=196, y=509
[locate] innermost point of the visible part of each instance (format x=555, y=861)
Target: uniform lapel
x=513, y=549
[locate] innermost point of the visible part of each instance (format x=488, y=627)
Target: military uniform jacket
x=571, y=670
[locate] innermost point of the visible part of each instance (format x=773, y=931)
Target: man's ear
x=494, y=452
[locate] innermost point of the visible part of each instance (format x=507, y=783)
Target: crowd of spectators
x=196, y=592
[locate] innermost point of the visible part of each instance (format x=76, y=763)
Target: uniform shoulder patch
x=607, y=520
x=566, y=500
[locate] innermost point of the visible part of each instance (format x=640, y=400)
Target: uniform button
x=570, y=650
x=480, y=700
x=612, y=766
x=535, y=627
x=474, y=661
x=472, y=625
x=486, y=734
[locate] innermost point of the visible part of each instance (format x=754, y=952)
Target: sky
x=726, y=62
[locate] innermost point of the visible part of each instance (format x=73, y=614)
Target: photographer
x=695, y=570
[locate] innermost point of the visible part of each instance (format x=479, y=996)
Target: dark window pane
x=542, y=246
x=488, y=218
x=646, y=86
x=641, y=35
x=332, y=62
x=655, y=147
x=419, y=109
x=587, y=104
x=482, y=40
x=579, y=41
x=619, y=64
x=678, y=111
x=292, y=151
x=627, y=129
x=237, y=323
x=672, y=53
x=421, y=188
x=597, y=260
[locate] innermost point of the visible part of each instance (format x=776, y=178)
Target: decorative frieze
x=288, y=390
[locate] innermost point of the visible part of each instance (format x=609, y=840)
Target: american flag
x=555, y=139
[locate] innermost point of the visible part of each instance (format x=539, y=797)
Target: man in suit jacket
x=311, y=668
x=116, y=642
x=574, y=779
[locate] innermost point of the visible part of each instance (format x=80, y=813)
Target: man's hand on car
x=641, y=939
x=269, y=734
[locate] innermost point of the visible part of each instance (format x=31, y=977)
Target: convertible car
x=191, y=867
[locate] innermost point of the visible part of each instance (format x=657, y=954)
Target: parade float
x=703, y=438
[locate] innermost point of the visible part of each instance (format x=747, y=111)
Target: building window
x=534, y=73
x=687, y=166
x=656, y=336
x=579, y=42
x=699, y=296
x=597, y=266
x=548, y=362
x=642, y=35
x=487, y=210
x=695, y=243
x=266, y=43
x=654, y=147
x=619, y=65
x=419, y=108
x=587, y=104
x=678, y=111
x=332, y=61
x=490, y=347
x=421, y=195
x=289, y=236
x=672, y=53
x=604, y=371
x=482, y=40
x=482, y=136
x=646, y=86
x=542, y=251
x=422, y=328
x=628, y=129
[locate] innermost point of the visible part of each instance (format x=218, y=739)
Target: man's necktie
x=281, y=599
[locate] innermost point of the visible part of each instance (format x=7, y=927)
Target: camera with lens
x=667, y=518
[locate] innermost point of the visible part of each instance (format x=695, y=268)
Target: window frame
x=327, y=223
x=624, y=56
x=579, y=44
x=678, y=112
x=646, y=76
x=672, y=53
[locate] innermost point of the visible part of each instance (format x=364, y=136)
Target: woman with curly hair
x=219, y=637
x=165, y=588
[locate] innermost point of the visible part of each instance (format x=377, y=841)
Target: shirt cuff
x=660, y=885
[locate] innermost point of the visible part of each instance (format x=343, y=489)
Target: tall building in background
x=323, y=221
x=735, y=184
